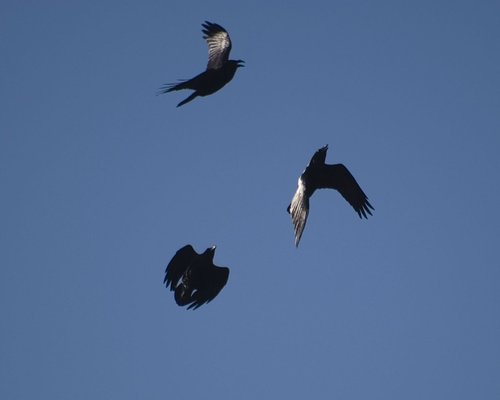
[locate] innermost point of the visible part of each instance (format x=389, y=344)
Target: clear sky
x=102, y=182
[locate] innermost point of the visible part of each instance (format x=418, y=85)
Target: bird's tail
x=169, y=87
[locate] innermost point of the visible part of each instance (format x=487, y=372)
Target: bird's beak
x=240, y=63
x=213, y=248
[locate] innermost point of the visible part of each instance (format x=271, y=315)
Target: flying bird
x=194, y=278
x=220, y=70
x=319, y=175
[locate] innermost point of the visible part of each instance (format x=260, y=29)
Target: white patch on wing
x=299, y=209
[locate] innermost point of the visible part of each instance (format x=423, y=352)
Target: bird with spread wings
x=220, y=70
x=319, y=175
x=194, y=278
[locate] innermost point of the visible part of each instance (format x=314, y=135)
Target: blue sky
x=102, y=182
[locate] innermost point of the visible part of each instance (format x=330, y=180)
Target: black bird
x=194, y=278
x=319, y=175
x=219, y=70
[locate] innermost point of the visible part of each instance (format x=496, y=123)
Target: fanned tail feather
x=170, y=87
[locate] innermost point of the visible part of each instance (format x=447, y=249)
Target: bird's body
x=319, y=175
x=194, y=278
x=220, y=70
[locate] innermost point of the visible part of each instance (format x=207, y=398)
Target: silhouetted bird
x=219, y=70
x=319, y=175
x=194, y=277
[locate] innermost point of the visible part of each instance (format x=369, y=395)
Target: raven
x=319, y=175
x=219, y=70
x=194, y=278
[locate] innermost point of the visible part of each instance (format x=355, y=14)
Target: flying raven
x=219, y=70
x=194, y=278
x=319, y=175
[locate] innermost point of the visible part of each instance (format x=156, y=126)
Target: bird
x=220, y=70
x=194, y=278
x=319, y=175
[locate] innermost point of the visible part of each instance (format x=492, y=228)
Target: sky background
x=102, y=182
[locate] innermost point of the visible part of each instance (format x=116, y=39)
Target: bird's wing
x=299, y=210
x=177, y=265
x=219, y=44
x=215, y=278
x=338, y=177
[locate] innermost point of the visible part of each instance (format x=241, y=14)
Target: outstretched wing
x=299, y=210
x=338, y=177
x=219, y=44
x=178, y=265
x=214, y=279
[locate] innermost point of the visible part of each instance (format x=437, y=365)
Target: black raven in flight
x=219, y=70
x=194, y=278
x=319, y=175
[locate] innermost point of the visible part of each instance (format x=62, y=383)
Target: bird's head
x=232, y=65
x=210, y=252
x=319, y=157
